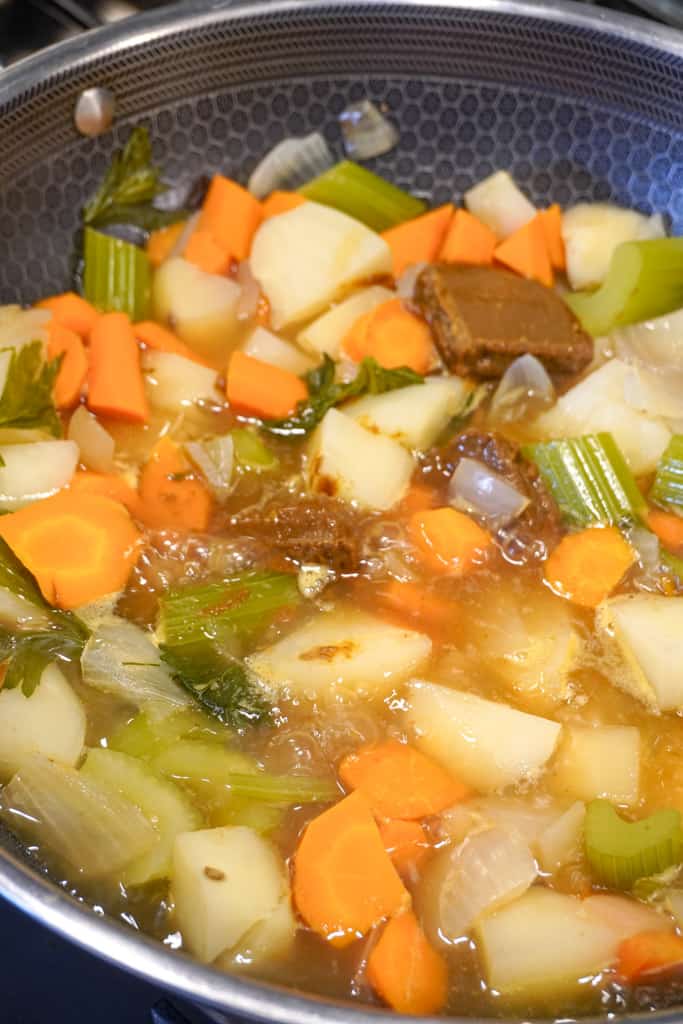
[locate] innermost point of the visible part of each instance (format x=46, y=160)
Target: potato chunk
x=305, y=258
x=327, y=333
x=200, y=307
x=50, y=722
x=224, y=881
x=413, y=416
x=603, y=761
x=487, y=745
x=648, y=632
x=352, y=463
x=341, y=653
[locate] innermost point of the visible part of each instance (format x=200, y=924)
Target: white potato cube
x=326, y=334
x=357, y=465
x=592, y=231
x=341, y=653
x=648, y=631
x=173, y=382
x=602, y=761
x=486, y=744
x=201, y=308
x=305, y=258
x=224, y=881
x=498, y=202
x=51, y=722
x=413, y=416
x=30, y=472
x=598, y=403
x=269, y=940
x=543, y=944
x=266, y=346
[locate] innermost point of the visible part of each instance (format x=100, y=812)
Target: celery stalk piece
x=116, y=275
x=223, y=613
x=667, y=489
x=589, y=479
x=144, y=737
x=620, y=852
x=250, y=451
x=644, y=280
x=282, y=789
x=262, y=818
x=363, y=195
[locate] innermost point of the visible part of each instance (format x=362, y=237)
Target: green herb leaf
x=221, y=685
x=26, y=400
x=132, y=179
x=324, y=392
x=143, y=216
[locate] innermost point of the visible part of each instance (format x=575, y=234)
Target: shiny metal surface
x=199, y=70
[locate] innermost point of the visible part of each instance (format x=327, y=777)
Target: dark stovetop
x=43, y=978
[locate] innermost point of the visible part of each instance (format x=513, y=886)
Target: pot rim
x=35, y=894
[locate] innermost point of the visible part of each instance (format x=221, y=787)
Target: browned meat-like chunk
x=483, y=318
x=316, y=531
x=538, y=529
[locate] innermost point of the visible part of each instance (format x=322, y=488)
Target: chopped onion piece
x=215, y=459
x=475, y=488
x=486, y=871
x=312, y=580
x=366, y=131
x=525, y=818
x=21, y=326
x=655, y=394
x=87, y=825
x=646, y=545
x=405, y=286
x=247, y=303
x=561, y=842
x=524, y=389
x=122, y=659
x=180, y=246
x=656, y=344
x=291, y=163
x=95, y=444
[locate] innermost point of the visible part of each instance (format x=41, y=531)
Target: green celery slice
x=144, y=737
x=221, y=613
x=620, y=852
x=667, y=489
x=589, y=479
x=250, y=451
x=644, y=280
x=363, y=195
x=116, y=275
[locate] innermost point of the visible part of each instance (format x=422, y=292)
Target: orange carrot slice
x=115, y=384
x=260, y=389
x=170, y=497
x=406, y=971
x=393, y=336
x=468, y=241
x=160, y=339
x=344, y=881
x=231, y=215
x=71, y=311
x=418, y=240
x=160, y=243
x=74, y=366
x=414, y=603
x=78, y=546
x=551, y=222
x=668, y=527
x=585, y=567
x=526, y=252
x=106, y=485
x=204, y=251
x=449, y=541
x=406, y=843
x=399, y=781
x=647, y=953
x=280, y=202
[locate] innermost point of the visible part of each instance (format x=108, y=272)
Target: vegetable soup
x=341, y=563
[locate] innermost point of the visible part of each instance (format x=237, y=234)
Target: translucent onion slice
x=290, y=164
x=405, y=286
x=95, y=444
x=215, y=458
x=657, y=343
x=122, y=659
x=248, y=301
x=486, y=871
x=87, y=825
x=180, y=246
x=655, y=394
x=524, y=389
x=366, y=131
x=528, y=819
x=21, y=326
x=475, y=488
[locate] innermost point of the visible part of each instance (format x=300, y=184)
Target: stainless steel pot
x=577, y=103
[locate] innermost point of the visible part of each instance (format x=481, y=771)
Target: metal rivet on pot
x=94, y=111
